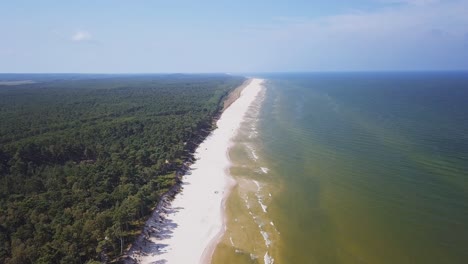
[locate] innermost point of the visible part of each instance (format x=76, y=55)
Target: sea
x=351, y=168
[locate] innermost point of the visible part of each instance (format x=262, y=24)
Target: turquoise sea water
x=357, y=168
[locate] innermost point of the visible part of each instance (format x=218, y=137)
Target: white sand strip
x=194, y=221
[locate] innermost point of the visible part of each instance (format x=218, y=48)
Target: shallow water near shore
x=351, y=168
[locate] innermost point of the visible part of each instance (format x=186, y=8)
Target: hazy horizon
x=233, y=37
x=236, y=73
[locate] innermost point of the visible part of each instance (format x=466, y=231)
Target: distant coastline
x=13, y=83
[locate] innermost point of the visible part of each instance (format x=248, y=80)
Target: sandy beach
x=187, y=229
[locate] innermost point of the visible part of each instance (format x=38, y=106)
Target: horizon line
x=234, y=72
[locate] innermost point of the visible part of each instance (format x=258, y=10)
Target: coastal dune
x=193, y=222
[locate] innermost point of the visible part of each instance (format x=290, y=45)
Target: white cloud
x=411, y=2
x=415, y=36
x=81, y=35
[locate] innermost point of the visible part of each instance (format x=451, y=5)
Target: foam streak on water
x=264, y=170
x=251, y=228
x=253, y=153
x=268, y=259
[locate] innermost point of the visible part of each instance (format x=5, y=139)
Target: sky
x=159, y=36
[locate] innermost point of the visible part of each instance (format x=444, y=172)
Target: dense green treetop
x=84, y=159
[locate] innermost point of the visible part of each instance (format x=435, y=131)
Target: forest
x=85, y=159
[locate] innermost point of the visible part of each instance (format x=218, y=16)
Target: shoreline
x=188, y=228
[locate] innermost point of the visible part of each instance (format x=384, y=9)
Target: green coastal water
x=351, y=168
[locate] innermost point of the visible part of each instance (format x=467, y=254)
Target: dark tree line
x=83, y=161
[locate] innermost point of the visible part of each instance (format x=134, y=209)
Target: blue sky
x=232, y=36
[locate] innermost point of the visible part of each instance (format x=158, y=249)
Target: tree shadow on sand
x=150, y=242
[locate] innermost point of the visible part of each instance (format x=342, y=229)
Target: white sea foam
x=274, y=227
x=253, y=129
x=258, y=185
x=264, y=169
x=259, y=197
x=264, y=207
x=268, y=259
x=232, y=242
x=253, y=153
x=260, y=224
x=247, y=203
x=253, y=134
x=266, y=238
